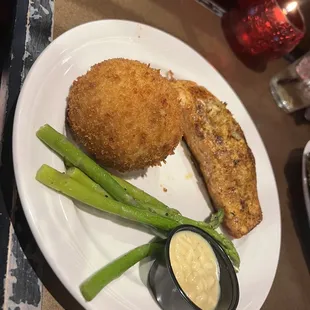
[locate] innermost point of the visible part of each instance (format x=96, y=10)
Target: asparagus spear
x=82, y=178
x=216, y=219
x=68, y=186
x=60, y=144
x=71, y=188
x=95, y=283
x=67, y=163
x=143, y=199
x=142, y=196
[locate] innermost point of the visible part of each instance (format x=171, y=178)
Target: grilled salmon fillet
x=224, y=158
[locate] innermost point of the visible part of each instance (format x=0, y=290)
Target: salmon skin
x=226, y=162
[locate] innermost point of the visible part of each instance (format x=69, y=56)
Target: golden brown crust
x=226, y=162
x=126, y=114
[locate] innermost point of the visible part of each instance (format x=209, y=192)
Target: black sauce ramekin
x=167, y=291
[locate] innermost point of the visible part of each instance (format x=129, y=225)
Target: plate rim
x=29, y=218
x=305, y=184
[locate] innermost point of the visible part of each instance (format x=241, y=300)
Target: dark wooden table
x=284, y=137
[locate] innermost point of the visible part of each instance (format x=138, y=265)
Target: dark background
x=7, y=12
x=7, y=9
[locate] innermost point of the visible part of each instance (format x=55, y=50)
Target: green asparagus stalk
x=61, y=145
x=142, y=196
x=71, y=188
x=81, y=177
x=143, y=199
x=95, y=283
x=216, y=219
x=67, y=163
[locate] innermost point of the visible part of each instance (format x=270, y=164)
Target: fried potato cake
x=125, y=114
x=225, y=160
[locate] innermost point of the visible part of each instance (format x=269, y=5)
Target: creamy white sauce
x=195, y=267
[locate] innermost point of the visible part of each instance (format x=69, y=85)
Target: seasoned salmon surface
x=225, y=160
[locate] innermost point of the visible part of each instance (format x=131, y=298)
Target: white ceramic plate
x=305, y=184
x=75, y=242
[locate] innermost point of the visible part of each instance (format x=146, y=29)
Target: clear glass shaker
x=291, y=87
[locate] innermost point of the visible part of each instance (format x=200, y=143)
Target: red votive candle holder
x=266, y=27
